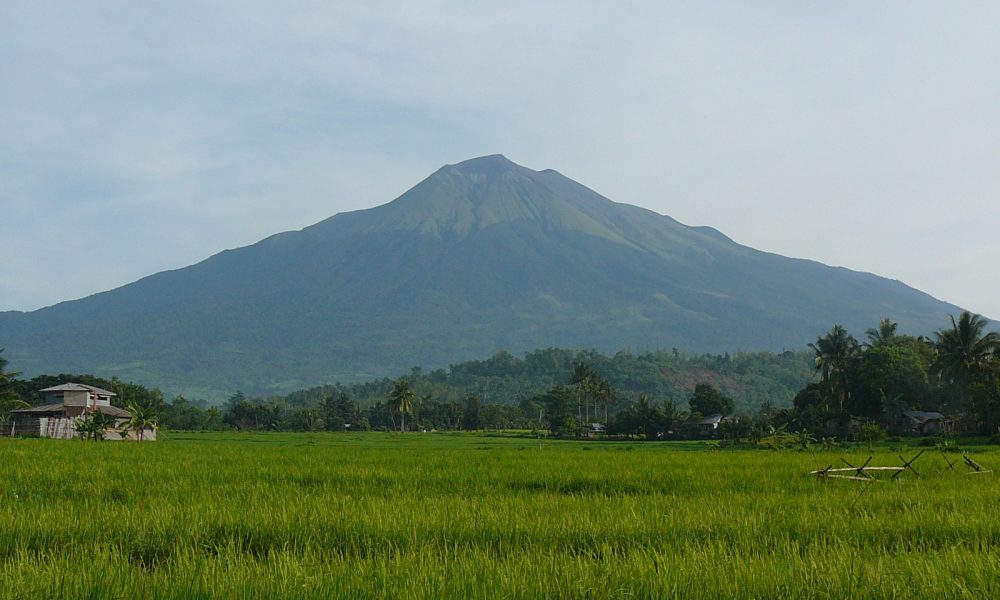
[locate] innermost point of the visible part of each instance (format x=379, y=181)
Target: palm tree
x=401, y=400
x=650, y=419
x=893, y=408
x=9, y=398
x=883, y=335
x=313, y=420
x=8, y=402
x=606, y=394
x=964, y=352
x=5, y=377
x=834, y=354
x=583, y=378
x=141, y=418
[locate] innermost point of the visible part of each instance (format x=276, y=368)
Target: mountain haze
x=481, y=256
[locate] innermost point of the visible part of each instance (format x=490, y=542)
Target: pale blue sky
x=138, y=137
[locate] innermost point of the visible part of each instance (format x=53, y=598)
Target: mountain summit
x=458, y=200
x=480, y=256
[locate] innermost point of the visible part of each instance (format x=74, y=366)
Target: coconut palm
x=8, y=402
x=884, y=334
x=7, y=378
x=605, y=394
x=834, y=354
x=9, y=398
x=583, y=378
x=312, y=419
x=650, y=419
x=142, y=417
x=964, y=352
x=401, y=400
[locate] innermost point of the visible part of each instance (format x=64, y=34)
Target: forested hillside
x=750, y=378
x=506, y=388
x=481, y=256
x=889, y=383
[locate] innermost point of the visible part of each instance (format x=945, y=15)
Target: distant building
x=709, y=424
x=591, y=431
x=62, y=405
x=923, y=422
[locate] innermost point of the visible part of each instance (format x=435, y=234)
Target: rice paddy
x=437, y=515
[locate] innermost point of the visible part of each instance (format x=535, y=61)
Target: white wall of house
x=62, y=428
x=74, y=398
x=78, y=398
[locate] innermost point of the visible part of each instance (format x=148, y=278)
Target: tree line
x=862, y=390
x=838, y=383
x=749, y=378
x=955, y=372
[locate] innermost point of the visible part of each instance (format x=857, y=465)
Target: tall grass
x=428, y=516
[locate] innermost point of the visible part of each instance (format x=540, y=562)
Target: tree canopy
x=708, y=401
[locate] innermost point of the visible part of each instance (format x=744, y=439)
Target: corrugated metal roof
x=78, y=387
x=922, y=415
x=41, y=408
x=114, y=411
x=110, y=411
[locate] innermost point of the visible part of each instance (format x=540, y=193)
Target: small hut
x=923, y=422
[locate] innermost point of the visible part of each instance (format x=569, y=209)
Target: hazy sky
x=142, y=136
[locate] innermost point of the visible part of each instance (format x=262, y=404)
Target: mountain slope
x=480, y=256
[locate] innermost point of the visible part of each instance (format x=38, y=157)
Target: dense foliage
x=862, y=389
x=956, y=374
x=501, y=392
x=709, y=401
x=506, y=391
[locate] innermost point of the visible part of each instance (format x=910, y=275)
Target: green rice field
x=469, y=516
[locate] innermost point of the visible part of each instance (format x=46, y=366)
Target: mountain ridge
x=480, y=256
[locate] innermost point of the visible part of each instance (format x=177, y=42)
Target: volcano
x=481, y=256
